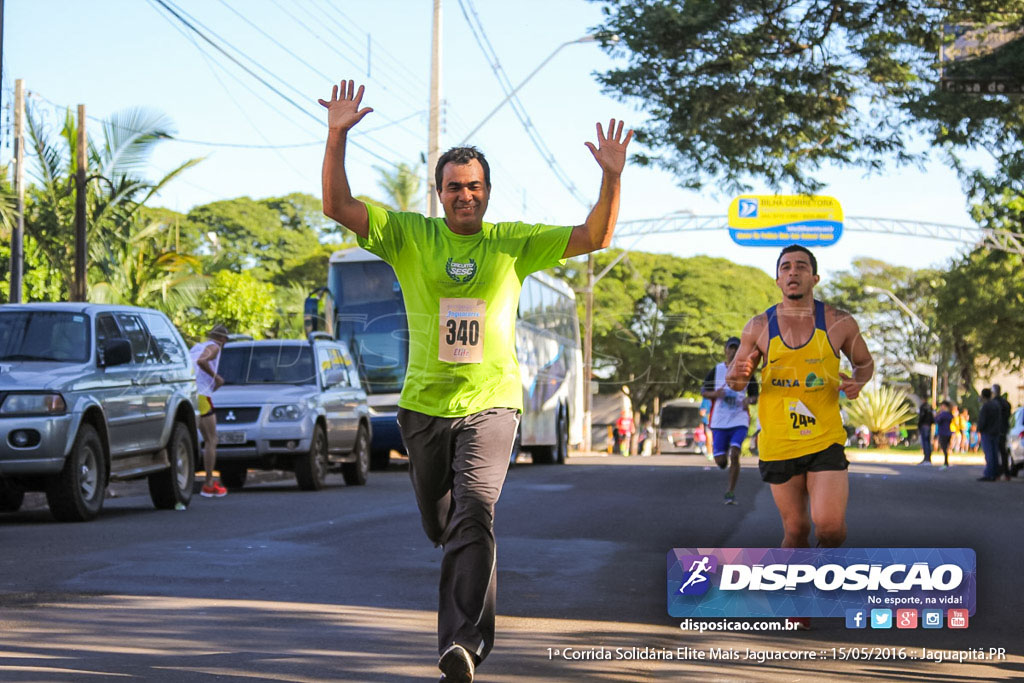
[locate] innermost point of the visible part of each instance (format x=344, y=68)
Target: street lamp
x=918, y=367
x=589, y=38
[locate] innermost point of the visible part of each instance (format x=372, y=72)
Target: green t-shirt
x=433, y=263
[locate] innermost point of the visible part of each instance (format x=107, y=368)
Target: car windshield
x=44, y=336
x=267, y=364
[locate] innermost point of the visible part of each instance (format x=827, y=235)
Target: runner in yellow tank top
x=802, y=437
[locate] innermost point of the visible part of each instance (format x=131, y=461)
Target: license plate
x=230, y=437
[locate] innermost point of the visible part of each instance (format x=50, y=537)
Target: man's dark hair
x=797, y=247
x=997, y=390
x=947, y=404
x=461, y=155
x=986, y=394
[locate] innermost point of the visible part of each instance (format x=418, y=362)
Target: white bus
x=363, y=306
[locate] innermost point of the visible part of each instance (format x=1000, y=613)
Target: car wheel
x=76, y=494
x=174, y=485
x=380, y=459
x=11, y=497
x=311, y=468
x=355, y=473
x=233, y=476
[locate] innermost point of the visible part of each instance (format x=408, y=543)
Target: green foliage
x=982, y=310
x=881, y=411
x=739, y=90
x=895, y=339
x=237, y=300
x=660, y=321
x=403, y=187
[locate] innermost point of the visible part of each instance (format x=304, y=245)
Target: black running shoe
x=456, y=665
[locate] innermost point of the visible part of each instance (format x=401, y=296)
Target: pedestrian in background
x=988, y=427
x=925, y=422
x=1004, y=427
x=206, y=359
x=944, y=430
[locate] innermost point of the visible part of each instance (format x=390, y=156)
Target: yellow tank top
x=799, y=404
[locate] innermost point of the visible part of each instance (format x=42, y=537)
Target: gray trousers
x=458, y=466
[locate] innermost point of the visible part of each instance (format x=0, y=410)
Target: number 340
x=463, y=331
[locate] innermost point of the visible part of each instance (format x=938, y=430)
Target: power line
x=263, y=81
x=520, y=111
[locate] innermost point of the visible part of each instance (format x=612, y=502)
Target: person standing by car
x=944, y=430
x=925, y=420
x=1004, y=427
x=460, y=406
x=206, y=358
x=988, y=427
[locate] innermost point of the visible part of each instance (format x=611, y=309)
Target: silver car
x=295, y=405
x=92, y=393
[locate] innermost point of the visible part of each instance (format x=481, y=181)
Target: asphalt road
x=273, y=584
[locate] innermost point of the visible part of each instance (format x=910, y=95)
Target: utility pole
x=18, y=236
x=80, y=225
x=588, y=354
x=433, y=136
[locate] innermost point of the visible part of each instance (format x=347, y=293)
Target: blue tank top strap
x=819, y=315
x=773, y=322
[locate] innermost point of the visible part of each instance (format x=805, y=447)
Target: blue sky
x=113, y=54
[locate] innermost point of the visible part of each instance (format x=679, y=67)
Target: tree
x=402, y=187
x=116, y=190
x=981, y=305
x=881, y=411
x=237, y=300
x=772, y=90
x=895, y=339
x=661, y=321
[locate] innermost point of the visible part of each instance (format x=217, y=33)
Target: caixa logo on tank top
x=460, y=272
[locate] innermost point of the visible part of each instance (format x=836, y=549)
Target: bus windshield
x=680, y=417
x=370, y=317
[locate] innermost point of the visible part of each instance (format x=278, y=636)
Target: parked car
x=1015, y=440
x=92, y=393
x=295, y=405
x=677, y=423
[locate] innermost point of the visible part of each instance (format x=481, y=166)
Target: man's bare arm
x=748, y=356
x=855, y=348
x=343, y=113
x=596, y=232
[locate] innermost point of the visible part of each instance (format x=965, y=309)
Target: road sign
x=781, y=220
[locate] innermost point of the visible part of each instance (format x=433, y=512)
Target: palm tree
x=140, y=272
x=115, y=189
x=881, y=410
x=402, y=187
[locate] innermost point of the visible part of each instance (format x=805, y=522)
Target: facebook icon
x=856, y=618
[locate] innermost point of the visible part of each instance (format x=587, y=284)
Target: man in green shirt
x=462, y=398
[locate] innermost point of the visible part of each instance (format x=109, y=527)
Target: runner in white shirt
x=206, y=359
x=730, y=419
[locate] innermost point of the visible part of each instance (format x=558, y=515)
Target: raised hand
x=610, y=151
x=343, y=110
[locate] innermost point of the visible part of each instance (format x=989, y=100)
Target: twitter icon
x=881, y=618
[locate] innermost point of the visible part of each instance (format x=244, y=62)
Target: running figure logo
x=697, y=583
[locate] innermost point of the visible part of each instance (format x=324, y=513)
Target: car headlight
x=33, y=404
x=287, y=413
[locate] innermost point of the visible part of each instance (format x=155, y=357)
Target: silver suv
x=91, y=393
x=292, y=405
